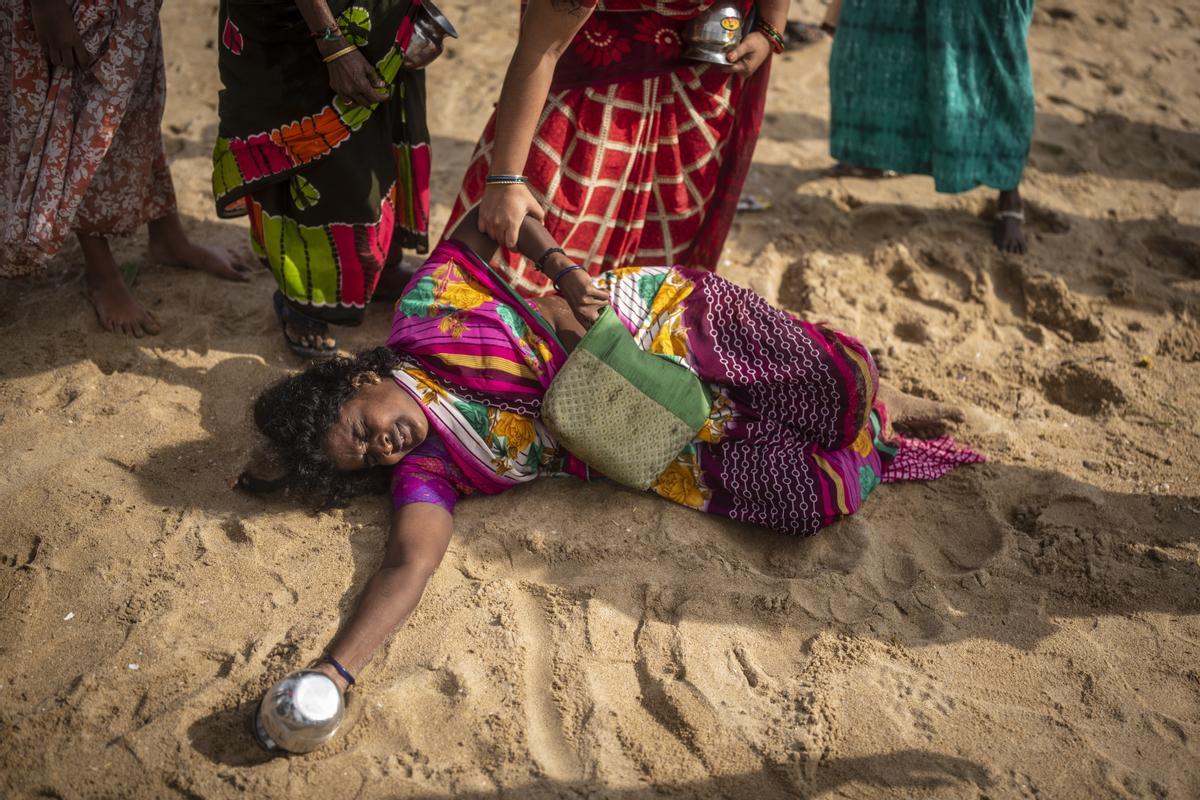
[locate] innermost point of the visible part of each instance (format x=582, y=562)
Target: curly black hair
x=296, y=413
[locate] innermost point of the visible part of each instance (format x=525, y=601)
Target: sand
x=1029, y=628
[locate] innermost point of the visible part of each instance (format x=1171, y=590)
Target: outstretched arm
x=419, y=537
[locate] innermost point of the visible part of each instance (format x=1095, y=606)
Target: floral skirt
x=81, y=149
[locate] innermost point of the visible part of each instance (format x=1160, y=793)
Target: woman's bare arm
x=419, y=537
x=547, y=29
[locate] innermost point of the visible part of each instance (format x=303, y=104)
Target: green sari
x=330, y=188
x=934, y=87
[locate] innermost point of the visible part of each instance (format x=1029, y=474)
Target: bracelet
x=330, y=33
x=541, y=262
x=773, y=37
x=339, y=53
x=504, y=180
x=563, y=272
x=345, y=673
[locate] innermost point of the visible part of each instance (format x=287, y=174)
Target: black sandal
x=290, y=316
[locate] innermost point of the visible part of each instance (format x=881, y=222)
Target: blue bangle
x=563, y=272
x=495, y=179
x=345, y=673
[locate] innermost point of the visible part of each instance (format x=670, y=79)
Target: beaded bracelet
x=345, y=673
x=541, y=262
x=504, y=180
x=562, y=272
x=773, y=37
x=330, y=33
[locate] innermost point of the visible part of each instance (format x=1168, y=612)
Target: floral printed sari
x=80, y=149
x=795, y=438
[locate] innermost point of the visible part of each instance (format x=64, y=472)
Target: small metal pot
x=299, y=713
x=712, y=34
x=430, y=28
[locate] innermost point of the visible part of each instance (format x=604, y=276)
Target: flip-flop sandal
x=288, y=315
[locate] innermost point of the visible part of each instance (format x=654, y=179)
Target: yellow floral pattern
x=431, y=391
x=681, y=483
x=515, y=430
x=454, y=288
x=716, y=427
x=865, y=442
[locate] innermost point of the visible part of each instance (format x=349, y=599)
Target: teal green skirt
x=934, y=87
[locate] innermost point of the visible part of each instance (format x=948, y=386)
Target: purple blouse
x=428, y=475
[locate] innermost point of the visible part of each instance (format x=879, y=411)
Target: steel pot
x=430, y=28
x=299, y=713
x=712, y=34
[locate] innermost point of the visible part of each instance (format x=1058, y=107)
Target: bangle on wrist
x=773, y=37
x=562, y=273
x=345, y=673
x=335, y=56
x=504, y=180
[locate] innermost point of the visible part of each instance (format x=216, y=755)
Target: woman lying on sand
x=799, y=434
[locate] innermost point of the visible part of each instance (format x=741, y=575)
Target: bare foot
x=169, y=244
x=1008, y=231
x=115, y=306
x=924, y=419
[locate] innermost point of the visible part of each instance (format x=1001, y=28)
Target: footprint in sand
x=1082, y=390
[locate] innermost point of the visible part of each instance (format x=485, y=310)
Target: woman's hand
x=55, y=27
x=503, y=209
x=747, y=57
x=583, y=296
x=353, y=77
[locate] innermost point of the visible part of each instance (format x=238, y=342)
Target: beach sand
x=1028, y=628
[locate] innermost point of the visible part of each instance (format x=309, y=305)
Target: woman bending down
x=798, y=436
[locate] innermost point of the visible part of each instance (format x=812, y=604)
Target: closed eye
x=360, y=434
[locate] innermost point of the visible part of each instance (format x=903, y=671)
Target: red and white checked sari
x=639, y=156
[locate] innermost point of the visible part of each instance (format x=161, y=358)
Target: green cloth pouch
x=625, y=412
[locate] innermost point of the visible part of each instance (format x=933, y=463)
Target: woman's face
x=379, y=425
